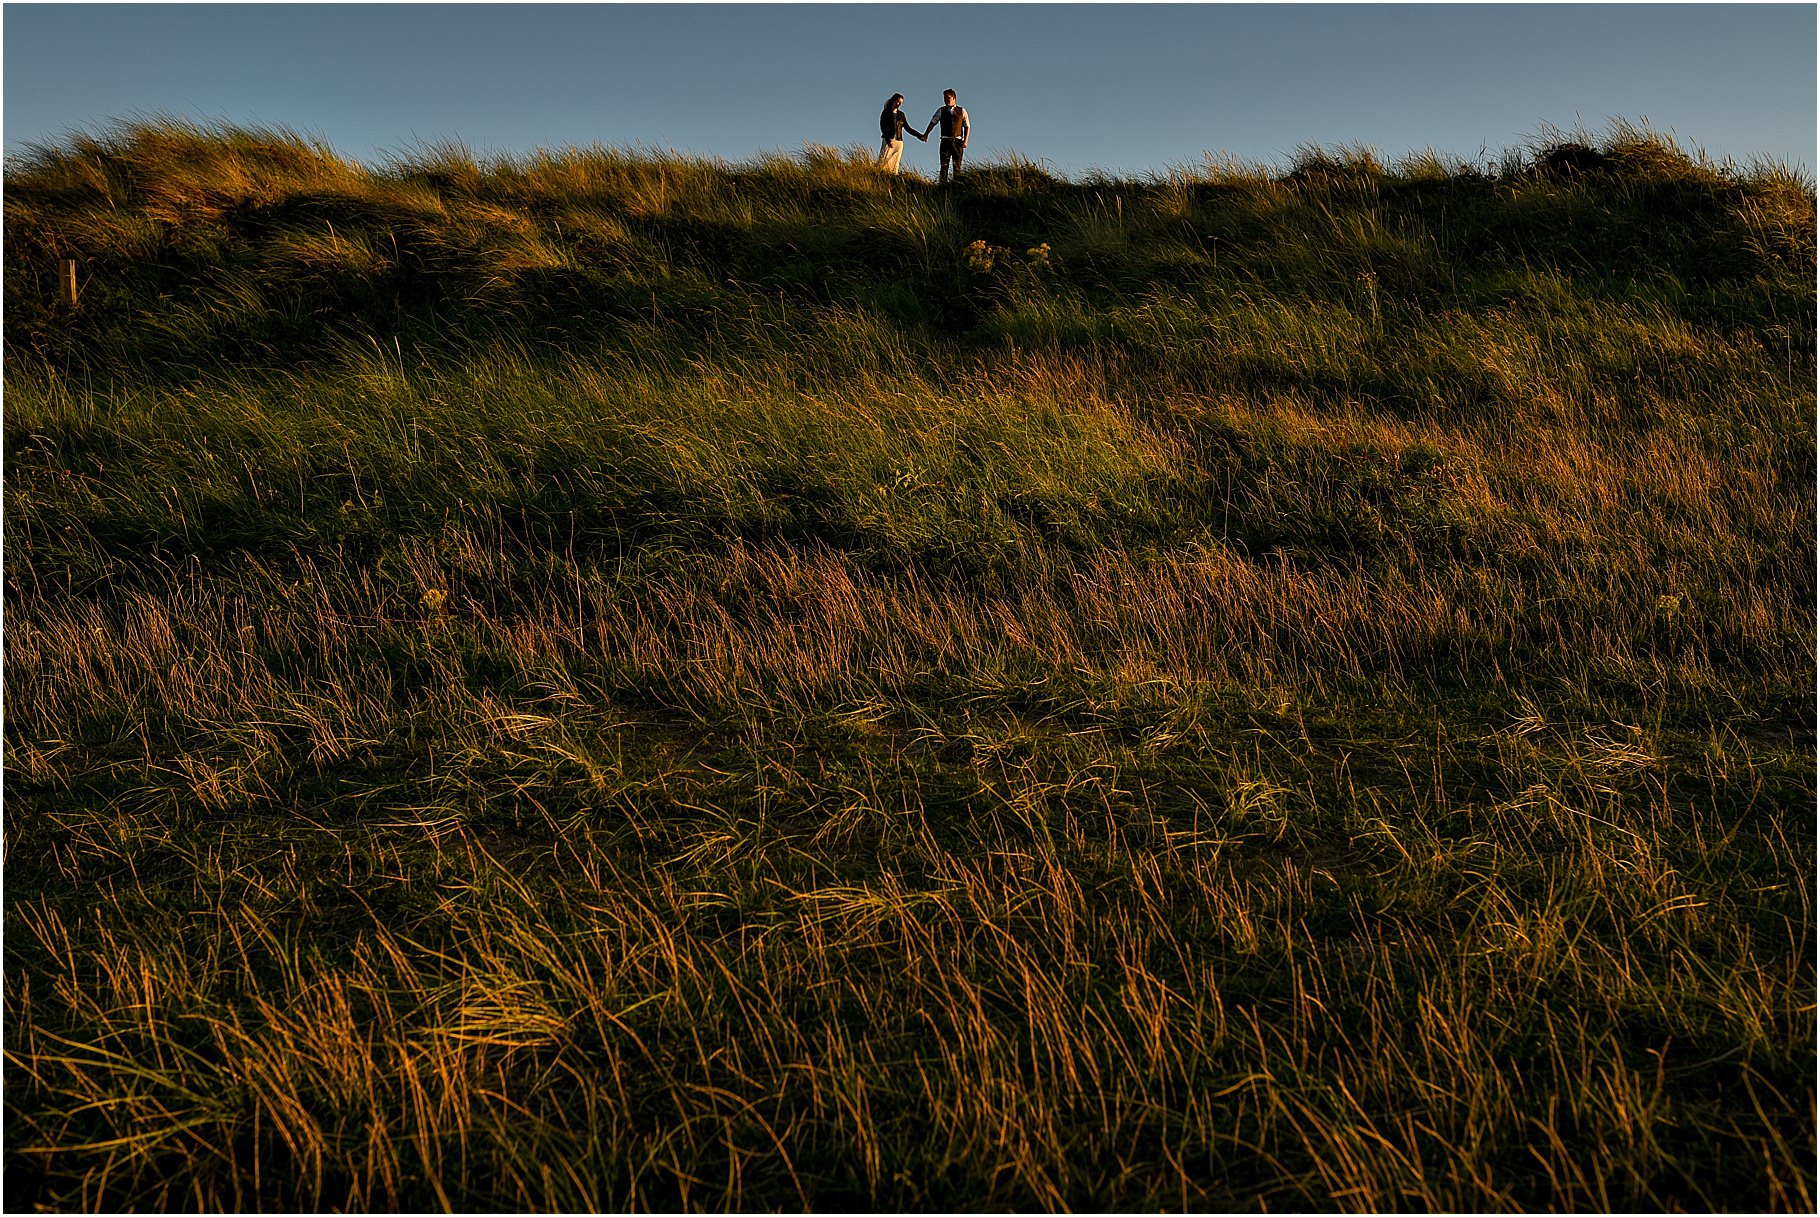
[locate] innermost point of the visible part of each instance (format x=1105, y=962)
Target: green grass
x=605, y=681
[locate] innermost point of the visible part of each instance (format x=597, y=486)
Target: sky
x=1083, y=88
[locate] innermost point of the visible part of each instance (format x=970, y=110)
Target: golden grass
x=1263, y=707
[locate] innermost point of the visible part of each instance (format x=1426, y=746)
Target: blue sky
x=1118, y=88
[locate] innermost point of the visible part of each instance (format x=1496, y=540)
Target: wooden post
x=67, y=282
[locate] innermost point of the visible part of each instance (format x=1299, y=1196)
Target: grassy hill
x=599, y=680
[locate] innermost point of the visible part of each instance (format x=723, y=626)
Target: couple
x=892, y=125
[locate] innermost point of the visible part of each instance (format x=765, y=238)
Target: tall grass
x=606, y=680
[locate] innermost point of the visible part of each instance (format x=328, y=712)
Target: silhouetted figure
x=953, y=121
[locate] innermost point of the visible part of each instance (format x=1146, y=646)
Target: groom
x=953, y=122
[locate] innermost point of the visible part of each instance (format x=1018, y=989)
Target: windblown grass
x=605, y=680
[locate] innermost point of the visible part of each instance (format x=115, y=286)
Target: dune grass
x=603, y=680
